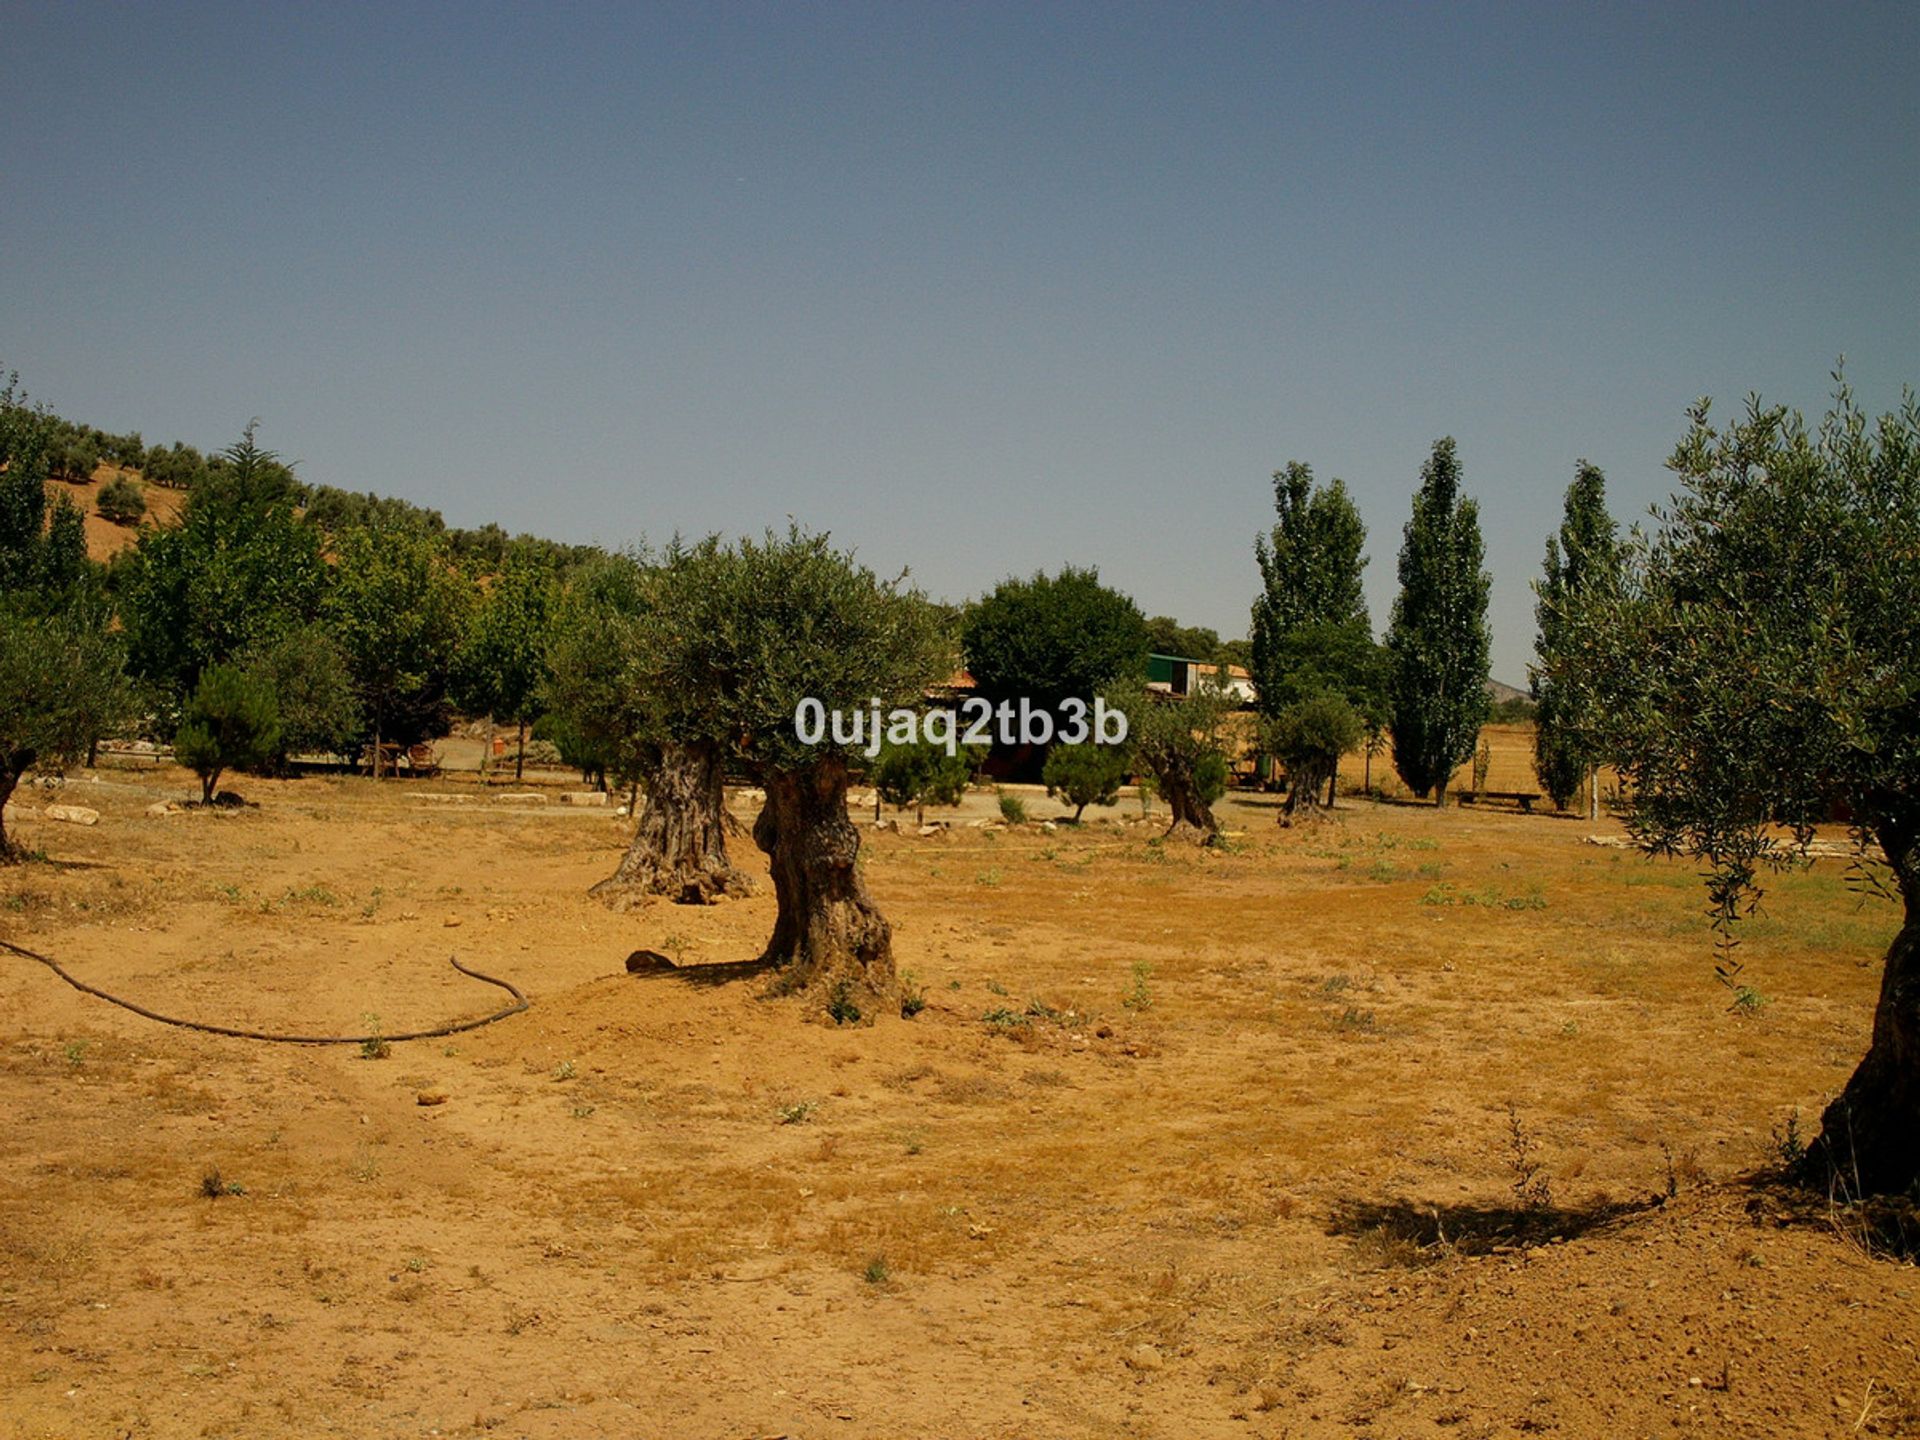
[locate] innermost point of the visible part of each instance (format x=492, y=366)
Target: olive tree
x=609, y=687
x=748, y=632
x=1757, y=673
x=1310, y=736
x=1179, y=741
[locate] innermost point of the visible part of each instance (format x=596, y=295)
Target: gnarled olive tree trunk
x=1869, y=1139
x=1309, y=788
x=680, y=846
x=827, y=929
x=1192, y=817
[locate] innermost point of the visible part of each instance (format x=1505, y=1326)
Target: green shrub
x=232, y=720
x=1013, y=809
x=122, y=501
x=1084, y=775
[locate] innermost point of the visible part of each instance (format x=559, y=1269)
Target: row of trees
x=1748, y=668
x=1323, y=683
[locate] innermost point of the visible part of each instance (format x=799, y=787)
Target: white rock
x=72, y=814
x=584, y=797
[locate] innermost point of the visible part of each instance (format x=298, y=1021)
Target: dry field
x=1182, y=1145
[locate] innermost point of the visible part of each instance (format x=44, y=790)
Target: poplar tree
x=1582, y=567
x=1438, y=642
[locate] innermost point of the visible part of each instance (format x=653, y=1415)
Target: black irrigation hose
x=520, y=1003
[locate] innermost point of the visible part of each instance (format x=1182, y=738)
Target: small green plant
x=1354, y=1018
x=799, y=1112
x=215, y=1186
x=1005, y=1019
x=990, y=877
x=564, y=1070
x=1748, y=1002
x=877, y=1272
x=1013, y=809
x=841, y=1004
x=375, y=1046
x=416, y=1263
x=1333, y=985
x=913, y=995
x=581, y=1112
x=76, y=1053
x=1139, y=997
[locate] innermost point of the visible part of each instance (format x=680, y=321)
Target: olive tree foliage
x=1086, y=774
x=749, y=631
x=1582, y=567
x=1756, y=673
x=607, y=690
x=231, y=721
x=121, y=500
x=1180, y=740
x=1310, y=735
x=397, y=609
x=1438, y=641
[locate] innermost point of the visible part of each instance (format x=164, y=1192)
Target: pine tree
x=1583, y=565
x=1438, y=640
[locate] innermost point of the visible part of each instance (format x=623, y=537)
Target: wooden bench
x=1523, y=798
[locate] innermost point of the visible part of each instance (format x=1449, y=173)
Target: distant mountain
x=1499, y=691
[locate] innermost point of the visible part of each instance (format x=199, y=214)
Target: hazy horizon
x=980, y=291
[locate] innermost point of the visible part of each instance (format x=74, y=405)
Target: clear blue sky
x=979, y=288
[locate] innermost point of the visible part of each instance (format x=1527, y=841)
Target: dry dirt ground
x=104, y=538
x=1182, y=1145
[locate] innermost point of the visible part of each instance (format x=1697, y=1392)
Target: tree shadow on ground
x=651, y=964
x=1419, y=1232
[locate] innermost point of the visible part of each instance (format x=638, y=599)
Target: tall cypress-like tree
x=1438, y=642
x=1583, y=566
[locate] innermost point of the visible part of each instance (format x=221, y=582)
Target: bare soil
x=1404, y=1123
